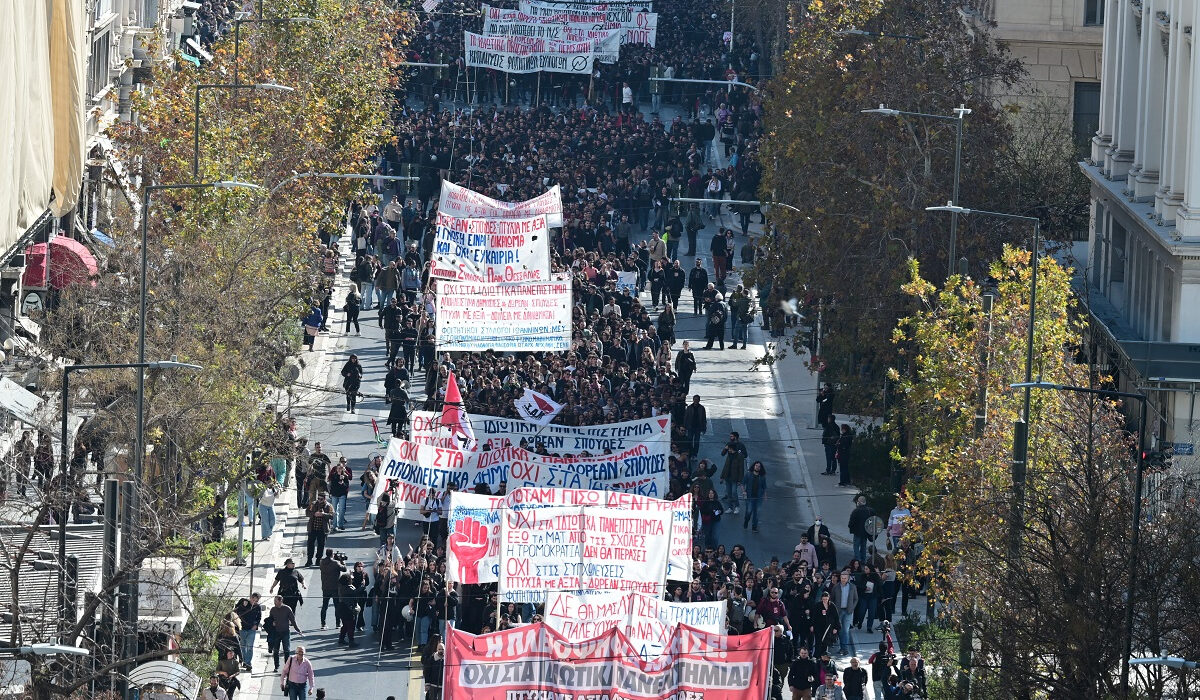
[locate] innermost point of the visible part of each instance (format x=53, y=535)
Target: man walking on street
x=297, y=679
x=754, y=488
x=320, y=515
x=695, y=422
x=698, y=282
x=331, y=571
x=339, y=491
x=685, y=366
x=289, y=581
x=845, y=439
x=280, y=623
x=845, y=599
x=829, y=438
x=740, y=315
x=858, y=526
x=734, y=471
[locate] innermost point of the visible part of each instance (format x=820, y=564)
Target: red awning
x=70, y=261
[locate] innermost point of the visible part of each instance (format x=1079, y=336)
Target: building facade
x=1059, y=43
x=1141, y=280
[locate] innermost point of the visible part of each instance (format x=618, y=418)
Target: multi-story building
x=1058, y=41
x=1141, y=279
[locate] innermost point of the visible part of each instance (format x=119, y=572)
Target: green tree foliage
x=863, y=181
x=1053, y=608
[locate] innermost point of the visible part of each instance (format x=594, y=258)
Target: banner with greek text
x=521, y=317
x=646, y=621
x=493, y=431
x=410, y=470
x=638, y=25
x=534, y=661
x=458, y=201
x=576, y=548
x=474, y=526
x=518, y=54
x=491, y=250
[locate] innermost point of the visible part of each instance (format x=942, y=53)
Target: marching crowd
x=618, y=171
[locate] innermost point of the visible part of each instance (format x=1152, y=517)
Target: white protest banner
x=491, y=250
x=646, y=621
x=563, y=548
x=464, y=203
x=411, y=471
x=493, y=431
x=473, y=523
x=638, y=26
x=515, y=54
x=521, y=317
x=627, y=282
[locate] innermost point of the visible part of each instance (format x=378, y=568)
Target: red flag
x=454, y=418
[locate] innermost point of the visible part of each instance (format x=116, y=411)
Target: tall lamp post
x=1020, y=447
x=196, y=111
x=64, y=622
x=131, y=587
x=1135, y=536
x=959, y=112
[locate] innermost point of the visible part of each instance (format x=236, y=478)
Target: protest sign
x=413, y=471
x=627, y=282
x=535, y=661
x=493, y=431
x=646, y=621
x=576, y=548
x=491, y=250
x=520, y=317
x=463, y=203
x=519, y=54
x=474, y=526
x=473, y=540
x=638, y=26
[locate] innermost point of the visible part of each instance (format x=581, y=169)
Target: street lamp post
x=1135, y=535
x=196, y=111
x=131, y=587
x=1020, y=448
x=64, y=623
x=959, y=112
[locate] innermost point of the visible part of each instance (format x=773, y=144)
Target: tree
x=229, y=274
x=862, y=182
x=1046, y=612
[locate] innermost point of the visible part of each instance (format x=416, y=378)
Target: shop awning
x=15, y=400
x=70, y=262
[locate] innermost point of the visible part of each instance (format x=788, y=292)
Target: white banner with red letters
x=456, y=200
x=410, y=470
x=647, y=621
x=637, y=25
x=577, y=548
x=494, y=431
x=473, y=522
x=491, y=250
x=535, y=662
x=519, y=317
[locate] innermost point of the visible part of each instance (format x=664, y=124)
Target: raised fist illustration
x=469, y=542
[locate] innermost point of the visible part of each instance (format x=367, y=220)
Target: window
x=98, y=65
x=1093, y=12
x=1116, y=267
x=1086, y=115
x=1167, y=306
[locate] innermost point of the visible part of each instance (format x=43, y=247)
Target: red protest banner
x=534, y=661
